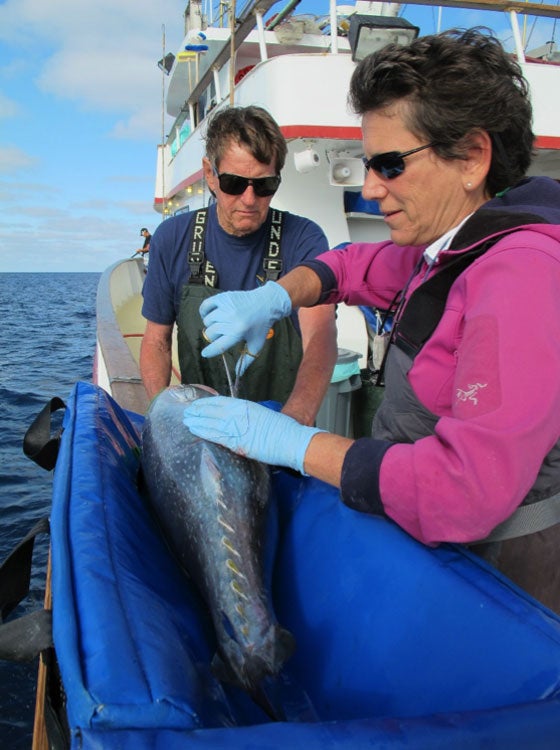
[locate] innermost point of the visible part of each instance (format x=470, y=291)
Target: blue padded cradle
x=398, y=645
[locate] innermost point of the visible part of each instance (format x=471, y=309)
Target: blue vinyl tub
x=398, y=645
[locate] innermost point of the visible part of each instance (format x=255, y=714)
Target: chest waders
x=272, y=375
x=526, y=546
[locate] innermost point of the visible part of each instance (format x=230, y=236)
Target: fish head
x=164, y=421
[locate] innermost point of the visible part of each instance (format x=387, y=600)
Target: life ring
x=242, y=73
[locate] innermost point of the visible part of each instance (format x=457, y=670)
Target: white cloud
x=14, y=159
x=86, y=197
x=100, y=54
x=8, y=107
x=104, y=24
x=131, y=179
x=138, y=208
x=41, y=212
x=106, y=79
x=68, y=240
x=141, y=124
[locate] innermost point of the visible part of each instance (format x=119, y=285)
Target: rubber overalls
x=272, y=375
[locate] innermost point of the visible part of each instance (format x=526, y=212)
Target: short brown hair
x=252, y=127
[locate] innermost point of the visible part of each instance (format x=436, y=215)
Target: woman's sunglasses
x=233, y=184
x=391, y=164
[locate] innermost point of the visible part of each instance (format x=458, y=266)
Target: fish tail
x=285, y=646
x=269, y=656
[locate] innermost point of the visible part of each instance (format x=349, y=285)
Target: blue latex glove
x=233, y=317
x=250, y=429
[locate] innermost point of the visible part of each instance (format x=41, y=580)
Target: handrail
x=284, y=13
x=528, y=9
x=124, y=376
x=246, y=23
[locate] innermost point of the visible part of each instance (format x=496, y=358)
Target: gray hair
x=454, y=83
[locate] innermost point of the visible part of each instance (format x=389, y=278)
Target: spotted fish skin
x=212, y=507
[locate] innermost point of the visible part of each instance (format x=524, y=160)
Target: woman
x=469, y=427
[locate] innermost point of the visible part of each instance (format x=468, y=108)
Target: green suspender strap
x=202, y=270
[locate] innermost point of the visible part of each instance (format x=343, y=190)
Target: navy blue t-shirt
x=237, y=260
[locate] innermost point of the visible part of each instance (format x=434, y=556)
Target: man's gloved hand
x=250, y=429
x=232, y=317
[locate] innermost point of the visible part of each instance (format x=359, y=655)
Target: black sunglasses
x=233, y=184
x=391, y=164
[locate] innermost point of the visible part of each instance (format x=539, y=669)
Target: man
x=239, y=243
x=146, y=246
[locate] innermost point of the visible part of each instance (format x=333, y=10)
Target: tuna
x=212, y=507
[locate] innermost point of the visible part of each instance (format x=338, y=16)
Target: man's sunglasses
x=391, y=164
x=233, y=184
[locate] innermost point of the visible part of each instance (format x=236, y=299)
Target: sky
x=81, y=118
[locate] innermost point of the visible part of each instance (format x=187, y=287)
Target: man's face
x=239, y=214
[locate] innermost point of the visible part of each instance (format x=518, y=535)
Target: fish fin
x=277, y=695
x=222, y=671
x=274, y=711
x=210, y=473
x=287, y=700
x=225, y=674
x=268, y=704
x=228, y=627
x=286, y=644
x=258, y=663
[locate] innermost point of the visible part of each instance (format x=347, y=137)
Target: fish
x=212, y=506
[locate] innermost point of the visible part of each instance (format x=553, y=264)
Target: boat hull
x=120, y=330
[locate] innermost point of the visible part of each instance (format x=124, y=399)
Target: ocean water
x=47, y=344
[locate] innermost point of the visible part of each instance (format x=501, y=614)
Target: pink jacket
x=490, y=371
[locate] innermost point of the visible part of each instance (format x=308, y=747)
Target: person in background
x=238, y=243
x=465, y=446
x=145, y=249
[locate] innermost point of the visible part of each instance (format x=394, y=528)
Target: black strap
x=272, y=261
x=201, y=269
x=15, y=571
x=24, y=638
x=379, y=376
x=38, y=443
x=426, y=305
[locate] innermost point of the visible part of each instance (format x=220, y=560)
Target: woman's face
x=430, y=197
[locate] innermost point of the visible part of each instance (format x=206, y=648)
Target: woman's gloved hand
x=251, y=430
x=233, y=317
